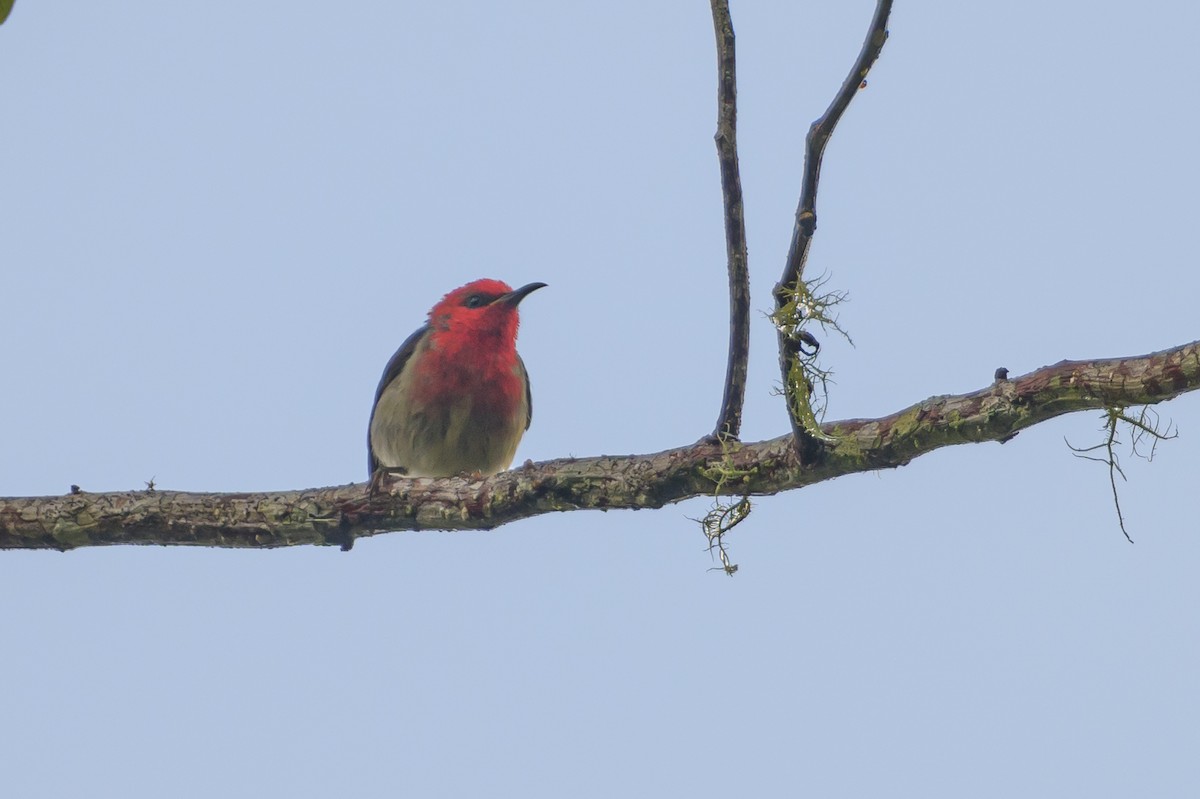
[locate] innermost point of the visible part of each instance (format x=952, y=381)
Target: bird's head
x=480, y=309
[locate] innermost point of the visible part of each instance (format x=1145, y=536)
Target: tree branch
x=729, y=421
x=786, y=291
x=335, y=515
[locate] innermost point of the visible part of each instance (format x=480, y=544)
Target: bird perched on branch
x=455, y=397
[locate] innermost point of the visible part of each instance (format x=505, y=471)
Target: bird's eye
x=475, y=301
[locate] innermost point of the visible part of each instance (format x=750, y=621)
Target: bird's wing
x=393, y=369
x=528, y=394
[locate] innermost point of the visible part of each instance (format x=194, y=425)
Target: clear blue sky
x=219, y=222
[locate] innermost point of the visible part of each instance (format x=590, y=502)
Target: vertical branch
x=729, y=422
x=788, y=292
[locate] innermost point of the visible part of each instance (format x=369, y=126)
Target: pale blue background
x=220, y=220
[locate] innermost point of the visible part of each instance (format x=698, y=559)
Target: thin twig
x=1141, y=430
x=819, y=134
x=729, y=421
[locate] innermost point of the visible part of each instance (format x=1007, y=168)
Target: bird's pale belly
x=444, y=439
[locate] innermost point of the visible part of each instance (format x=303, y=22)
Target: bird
x=455, y=397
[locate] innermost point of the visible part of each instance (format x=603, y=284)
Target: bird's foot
x=380, y=476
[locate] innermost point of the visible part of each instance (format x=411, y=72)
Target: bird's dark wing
x=528, y=394
x=390, y=372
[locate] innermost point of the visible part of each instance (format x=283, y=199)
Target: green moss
x=70, y=535
x=806, y=385
x=847, y=446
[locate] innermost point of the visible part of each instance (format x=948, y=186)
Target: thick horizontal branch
x=335, y=515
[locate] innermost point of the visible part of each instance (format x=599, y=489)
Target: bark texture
x=337, y=515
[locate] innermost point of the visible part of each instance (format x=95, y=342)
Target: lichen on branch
x=806, y=385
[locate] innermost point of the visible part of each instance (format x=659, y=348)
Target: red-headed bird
x=455, y=397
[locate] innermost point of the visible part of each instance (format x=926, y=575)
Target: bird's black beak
x=513, y=298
